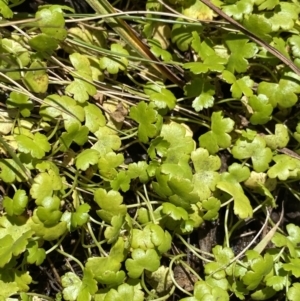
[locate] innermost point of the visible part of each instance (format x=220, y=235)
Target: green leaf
x=77, y=290
x=120, y=247
x=14, y=47
x=112, y=233
x=11, y=288
x=159, y=147
x=293, y=292
x=238, y=9
x=236, y=173
x=206, y=176
x=280, y=139
x=152, y=236
x=75, y=133
x=283, y=93
x=108, y=164
x=6, y=12
x=52, y=23
x=17, y=205
x=108, y=141
x=35, y=255
x=281, y=45
x=229, y=183
x=142, y=260
x=239, y=86
x=183, y=196
x=156, y=49
x=293, y=266
x=37, y=81
x=205, y=292
x=242, y=206
x=48, y=233
x=182, y=35
x=218, y=137
x=195, y=9
x=284, y=16
x=21, y=102
x=163, y=99
x=22, y=278
x=81, y=87
x=44, y=184
x=86, y=158
x=138, y=170
x=54, y=106
x=179, y=139
x=266, y=4
x=223, y=257
x=212, y=205
x=43, y=43
x=14, y=235
x=291, y=241
x=240, y=51
x=10, y=171
x=210, y=60
x=211, y=63
x=294, y=40
x=147, y=118
x=80, y=217
x=239, y=289
x=115, y=63
x=297, y=133
x=36, y=146
x=110, y=203
x=256, y=150
x=93, y=117
x=124, y=291
x=276, y=282
x=160, y=280
x=261, y=109
x=259, y=24
x=203, y=91
x=263, y=294
x=106, y=270
x=48, y=211
x=260, y=267
x=176, y=213
x=179, y=169
x=121, y=181
x=285, y=167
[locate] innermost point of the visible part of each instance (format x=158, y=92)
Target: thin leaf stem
x=16, y=159
x=144, y=286
x=172, y=274
x=71, y=258
x=226, y=227
x=171, y=292
x=195, y=250
x=95, y=240
x=56, y=245
x=267, y=69
x=74, y=184
x=148, y=204
x=54, y=130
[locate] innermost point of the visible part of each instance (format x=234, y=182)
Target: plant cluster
x=115, y=155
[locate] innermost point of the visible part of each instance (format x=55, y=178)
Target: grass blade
x=103, y=7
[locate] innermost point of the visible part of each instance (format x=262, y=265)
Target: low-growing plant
x=150, y=151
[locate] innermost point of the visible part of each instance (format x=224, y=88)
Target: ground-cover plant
x=150, y=151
